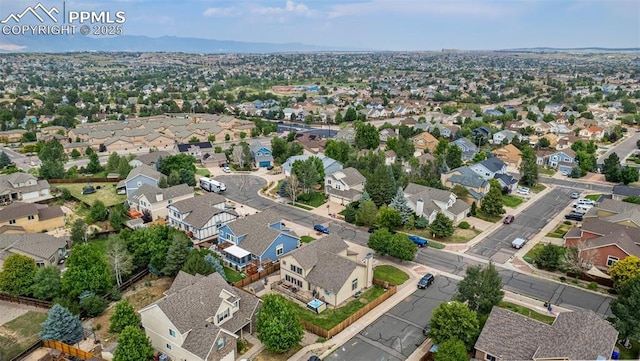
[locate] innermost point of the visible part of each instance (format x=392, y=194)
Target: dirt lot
x=143, y=293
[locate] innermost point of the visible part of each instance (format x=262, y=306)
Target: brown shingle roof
x=37, y=244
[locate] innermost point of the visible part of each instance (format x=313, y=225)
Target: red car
x=508, y=219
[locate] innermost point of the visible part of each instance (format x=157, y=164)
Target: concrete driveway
x=395, y=335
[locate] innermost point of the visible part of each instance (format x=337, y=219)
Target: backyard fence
x=256, y=277
x=36, y=345
x=70, y=350
x=25, y=300
x=327, y=334
x=85, y=180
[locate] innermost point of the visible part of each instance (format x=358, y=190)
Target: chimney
x=159, y=197
x=419, y=207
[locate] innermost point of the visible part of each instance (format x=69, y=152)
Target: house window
x=172, y=333
x=611, y=260
x=279, y=250
x=139, y=183
x=40, y=263
x=329, y=181
x=220, y=343
x=354, y=285
x=168, y=347
x=31, y=217
x=12, y=221
x=293, y=280
x=489, y=357
x=296, y=269
x=222, y=316
x=52, y=260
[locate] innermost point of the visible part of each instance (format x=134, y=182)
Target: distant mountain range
x=63, y=44
x=583, y=50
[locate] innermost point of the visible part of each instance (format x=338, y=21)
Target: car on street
x=574, y=216
x=518, y=243
x=421, y=242
x=320, y=228
x=426, y=281
x=508, y=219
x=575, y=195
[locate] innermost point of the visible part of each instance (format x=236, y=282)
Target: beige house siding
x=36, y=226
x=345, y=292
x=159, y=209
x=156, y=326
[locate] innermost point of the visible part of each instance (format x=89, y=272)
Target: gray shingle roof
x=350, y=176
x=150, y=158
x=189, y=307
x=466, y=177
x=150, y=192
x=332, y=271
x=50, y=212
x=626, y=191
x=493, y=164
x=416, y=191
x=247, y=224
x=37, y=244
x=308, y=255
x=18, y=210
x=201, y=209
x=9, y=182
x=144, y=170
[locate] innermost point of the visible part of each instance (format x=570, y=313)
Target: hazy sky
x=381, y=24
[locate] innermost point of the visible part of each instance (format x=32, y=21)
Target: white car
x=226, y=169
x=523, y=191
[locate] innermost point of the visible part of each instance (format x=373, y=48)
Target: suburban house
x=466, y=177
x=150, y=159
x=200, y=318
x=139, y=176
x=344, y=186
x=330, y=165
x=577, y=335
x=326, y=269
x=45, y=249
x=387, y=133
x=427, y=202
x=495, y=168
x=481, y=132
x=593, y=132
x=313, y=143
x=201, y=217
x=155, y=200
x=197, y=150
x=255, y=240
x=32, y=217
x=424, y=141
x=261, y=154
x=23, y=187
x=215, y=159
x=509, y=154
x=500, y=136
x=390, y=157
x=621, y=191
x=469, y=149
x=347, y=135
x=562, y=160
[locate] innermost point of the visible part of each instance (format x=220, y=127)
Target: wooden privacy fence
x=25, y=300
x=85, y=180
x=255, y=277
x=327, y=334
x=70, y=350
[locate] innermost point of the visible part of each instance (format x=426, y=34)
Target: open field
x=106, y=193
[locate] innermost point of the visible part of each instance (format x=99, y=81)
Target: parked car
x=426, y=329
x=226, y=169
x=314, y=358
x=421, y=242
x=582, y=208
x=508, y=219
x=518, y=243
x=583, y=201
x=574, y=216
x=575, y=195
x=320, y=228
x=426, y=281
x=524, y=191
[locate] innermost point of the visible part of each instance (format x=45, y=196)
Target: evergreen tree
x=133, y=345
x=94, y=164
x=367, y=213
x=399, y=203
x=492, y=204
x=177, y=254
x=528, y=167
x=481, y=288
x=79, y=232
x=215, y=262
x=628, y=175
x=195, y=264
x=61, y=325
x=454, y=156
x=4, y=159
x=380, y=186
x=442, y=226
x=365, y=197
x=611, y=168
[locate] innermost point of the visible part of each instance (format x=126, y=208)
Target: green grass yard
x=232, y=276
x=512, y=201
x=312, y=199
x=527, y=312
x=306, y=239
x=560, y=231
x=593, y=197
x=18, y=334
x=390, y=274
x=629, y=353
x=107, y=194
x=203, y=172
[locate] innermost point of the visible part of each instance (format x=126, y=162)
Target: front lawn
x=511, y=201
x=527, y=312
x=593, y=197
x=538, y=188
x=300, y=205
x=330, y=318
x=107, y=193
x=306, y=239
x=560, y=231
x=390, y=274
x=313, y=199
x=203, y=172
x=484, y=217
x=533, y=253
x=20, y=333
x=546, y=171
x=629, y=353
x=232, y=276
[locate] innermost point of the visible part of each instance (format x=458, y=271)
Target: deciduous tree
x=528, y=167
x=366, y=214
x=367, y=136
x=481, y=288
x=402, y=248
x=79, y=232
x=133, y=345
x=61, y=325
x=98, y=211
x=492, y=204
x=337, y=150
x=451, y=350
x=628, y=175
x=379, y=241
x=119, y=258
x=453, y=156
x=625, y=270
x=87, y=270
x=278, y=324
x=454, y=320
x=46, y=283
x=18, y=272
x=611, y=168
x=94, y=164
x=389, y=218
x=123, y=315
x=625, y=309
x=292, y=187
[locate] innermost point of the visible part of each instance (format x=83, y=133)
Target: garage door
x=264, y=164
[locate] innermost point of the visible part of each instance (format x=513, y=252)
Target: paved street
x=624, y=148
x=577, y=185
x=396, y=334
x=497, y=245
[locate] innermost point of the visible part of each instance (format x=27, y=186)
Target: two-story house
x=468, y=148
x=200, y=318
x=495, y=168
x=499, y=137
x=330, y=165
x=155, y=200
x=262, y=155
x=255, y=240
x=424, y=141
x=386, y=134
x=344, y=186
x=427, y=202
x=593, y=132
x=46, y=250
x=201, y=217
x=196, y=150
x=139, y=176
x=561, y=160
x=466, y=177
x=23, y=187
x=32, y=217
x=327, y=269
x=509, y=154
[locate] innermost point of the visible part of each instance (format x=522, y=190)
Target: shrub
x=464, y=225
x=94, y=305
x=592, y=286
x=563, y=279
x=567, y=222
x=115, y=295
x=574, y=281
